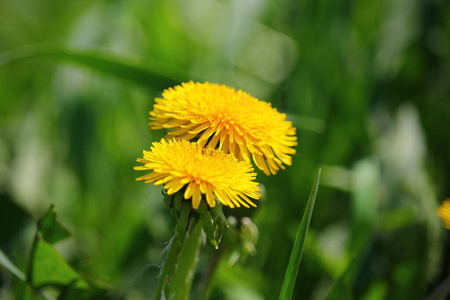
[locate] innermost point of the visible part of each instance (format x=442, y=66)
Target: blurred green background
x=366, y=83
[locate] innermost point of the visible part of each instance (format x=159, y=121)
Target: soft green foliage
x=365, y=83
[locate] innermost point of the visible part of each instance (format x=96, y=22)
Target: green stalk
x=182, y=283
x=173, y=254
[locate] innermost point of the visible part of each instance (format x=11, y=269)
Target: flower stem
x=173, y=254
x=182, y=282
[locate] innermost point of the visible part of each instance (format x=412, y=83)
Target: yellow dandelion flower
x=444, y=213
x=232, y=121
x=202, y=171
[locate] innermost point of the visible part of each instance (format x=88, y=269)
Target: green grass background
x=366, y=83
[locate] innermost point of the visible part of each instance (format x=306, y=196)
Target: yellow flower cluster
x=178, y=164
x=227, y=128
x=233, y=121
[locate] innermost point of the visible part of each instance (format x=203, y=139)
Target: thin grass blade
x=8, y=265
x=140, y=70
x=296, y=256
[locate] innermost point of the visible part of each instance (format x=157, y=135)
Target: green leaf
x=48, y=267
x=296, y=256
x=151, y=73
x=8, y=265
x=52, y=231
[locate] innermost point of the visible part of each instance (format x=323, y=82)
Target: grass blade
x=296, y=256
x=8, y=265
x=152, y=72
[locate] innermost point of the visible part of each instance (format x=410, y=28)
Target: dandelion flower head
x=444, y=213
x=179, y=164
x=231, y=121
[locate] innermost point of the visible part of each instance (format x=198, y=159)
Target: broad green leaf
x=52, y=231
x=48, y=267
x=296, y=256
x=151, y=72
x=8, y=265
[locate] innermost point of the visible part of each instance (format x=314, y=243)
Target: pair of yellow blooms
x=228, y=129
